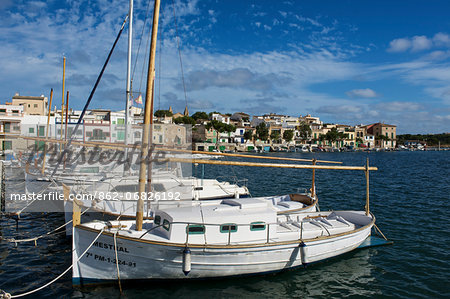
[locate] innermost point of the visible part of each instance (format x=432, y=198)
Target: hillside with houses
x=214, y=131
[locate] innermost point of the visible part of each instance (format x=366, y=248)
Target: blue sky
x=347, y=62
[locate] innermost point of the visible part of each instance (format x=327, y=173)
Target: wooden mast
x=62, y=104
x=65, y=127
x=366, y=171
x=147, y=120
x=46, y=132
x=313, y=187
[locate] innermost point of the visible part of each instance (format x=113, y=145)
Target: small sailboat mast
x=148, y=121
x=62, y=104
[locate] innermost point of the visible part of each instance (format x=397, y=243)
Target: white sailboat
x=211, y=239
x=234, y=237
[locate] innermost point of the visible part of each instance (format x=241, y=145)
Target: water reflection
x=348, y=275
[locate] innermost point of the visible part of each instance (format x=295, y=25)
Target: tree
x=262, y=132
x=200, y=115
x=275, y=136
x=184, y=120
x=304, y=130
x=341, y=136
x=162, y=113
x=322, y=138
x=248, y=135
x=288, y=135
x=359, y=141
x=220, y=127
x=332, y=135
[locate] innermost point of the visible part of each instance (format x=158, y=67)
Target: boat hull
x=141, y=259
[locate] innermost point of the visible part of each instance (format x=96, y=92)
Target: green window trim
x=166, y=225
x=259, y=225
x=157, y=220
x=228, y=227
x=195, y=229
x=31, y=130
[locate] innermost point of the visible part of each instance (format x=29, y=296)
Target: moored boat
x=234, y=237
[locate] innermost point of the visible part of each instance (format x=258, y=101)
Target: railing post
x=367, y=187
x=268, y=233
x=229, y=234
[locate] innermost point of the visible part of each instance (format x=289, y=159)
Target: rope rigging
x=179, y=51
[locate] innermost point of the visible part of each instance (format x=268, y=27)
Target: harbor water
x=409, y=195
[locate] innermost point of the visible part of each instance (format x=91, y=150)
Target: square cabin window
x=195, y=229
x=166, y=225
x=255, y=226
x=228, y=227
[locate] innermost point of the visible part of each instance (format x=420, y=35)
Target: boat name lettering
x=110, y=246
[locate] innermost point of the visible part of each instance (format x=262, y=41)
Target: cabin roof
x=244, y=210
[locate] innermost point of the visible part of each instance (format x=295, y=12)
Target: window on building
x=97, y=134
x=120, y=135
x=7, y=145
x=392, y=135
x=31, y=130
x=35, y=105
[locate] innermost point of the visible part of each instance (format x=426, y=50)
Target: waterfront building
x=31, y=105
x=10, y=118
x=385, y=135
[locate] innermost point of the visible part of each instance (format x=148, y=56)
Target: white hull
x=146, y=259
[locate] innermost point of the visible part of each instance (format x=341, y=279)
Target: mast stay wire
x=140, y=39
x=179, y=51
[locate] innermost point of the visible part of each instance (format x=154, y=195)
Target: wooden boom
x=252, y=164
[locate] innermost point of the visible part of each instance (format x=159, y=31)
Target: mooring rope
x=5, y=295
x=34, y=239
x=117, y=261
x=376, y=227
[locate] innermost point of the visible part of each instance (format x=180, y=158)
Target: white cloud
x=420, y=43
x=441, y=39
x=399, y=45
x=362, y=93
x=397, y=106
